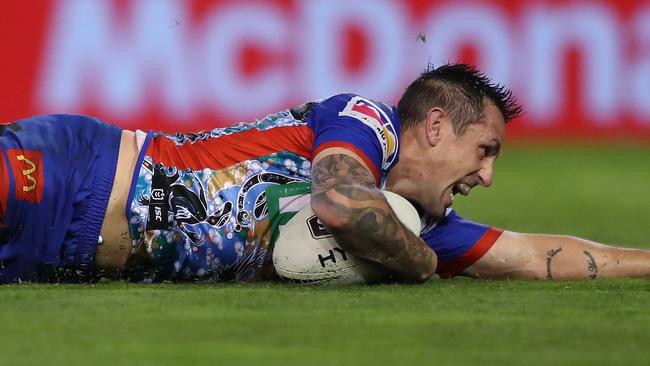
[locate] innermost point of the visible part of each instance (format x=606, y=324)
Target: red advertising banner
x=580, y=68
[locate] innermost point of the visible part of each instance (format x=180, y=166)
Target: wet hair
x=461, y=91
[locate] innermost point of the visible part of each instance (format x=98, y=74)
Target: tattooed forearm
x=345, y=198
x=549, y=257
x=592, y=267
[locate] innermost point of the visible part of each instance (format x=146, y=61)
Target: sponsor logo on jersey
x=27, y=168
x=371, y=115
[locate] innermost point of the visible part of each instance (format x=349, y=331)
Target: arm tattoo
x=550, y=254
x=338, y=169
x=592, y=267
x=372, y=231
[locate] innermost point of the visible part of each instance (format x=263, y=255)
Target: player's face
x=435, y=163
x=459, y=163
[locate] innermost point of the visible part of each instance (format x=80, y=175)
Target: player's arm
x=346, y=200
x=539, y=256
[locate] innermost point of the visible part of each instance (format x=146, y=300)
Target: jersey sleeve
x=458, y=243
x=367, y=128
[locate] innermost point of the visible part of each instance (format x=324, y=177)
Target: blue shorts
x=458, y=243
x=56, y=176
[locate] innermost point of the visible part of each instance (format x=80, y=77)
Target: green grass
x=589, y=191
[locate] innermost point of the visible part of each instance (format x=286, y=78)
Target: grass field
x=595, y=192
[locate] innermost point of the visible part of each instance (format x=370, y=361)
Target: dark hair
x=461, y=91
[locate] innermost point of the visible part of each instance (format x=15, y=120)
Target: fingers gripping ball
x=306, y=252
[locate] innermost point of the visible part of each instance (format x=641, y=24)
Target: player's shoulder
x=346, y=108
x=348, y=103
x=369, y=128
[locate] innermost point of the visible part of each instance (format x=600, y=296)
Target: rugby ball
x=306, y=252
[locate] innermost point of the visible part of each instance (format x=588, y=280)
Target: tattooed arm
x=553, y=257
x=346, y=200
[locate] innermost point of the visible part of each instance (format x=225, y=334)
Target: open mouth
x=462, y=188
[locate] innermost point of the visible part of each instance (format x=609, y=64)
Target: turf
x=594, y=192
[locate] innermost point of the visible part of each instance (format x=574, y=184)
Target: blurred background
x=580, y=68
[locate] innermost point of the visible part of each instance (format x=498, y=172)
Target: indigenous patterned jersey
x=197, y=204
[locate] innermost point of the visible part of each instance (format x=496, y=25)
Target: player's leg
x=521, y=256
x=58, y=172
x=23, y=239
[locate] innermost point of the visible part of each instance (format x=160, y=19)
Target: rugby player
x=81, y=198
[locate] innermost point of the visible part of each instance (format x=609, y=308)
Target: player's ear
x=433, y=125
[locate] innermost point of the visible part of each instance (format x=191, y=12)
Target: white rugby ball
x=306, y=252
